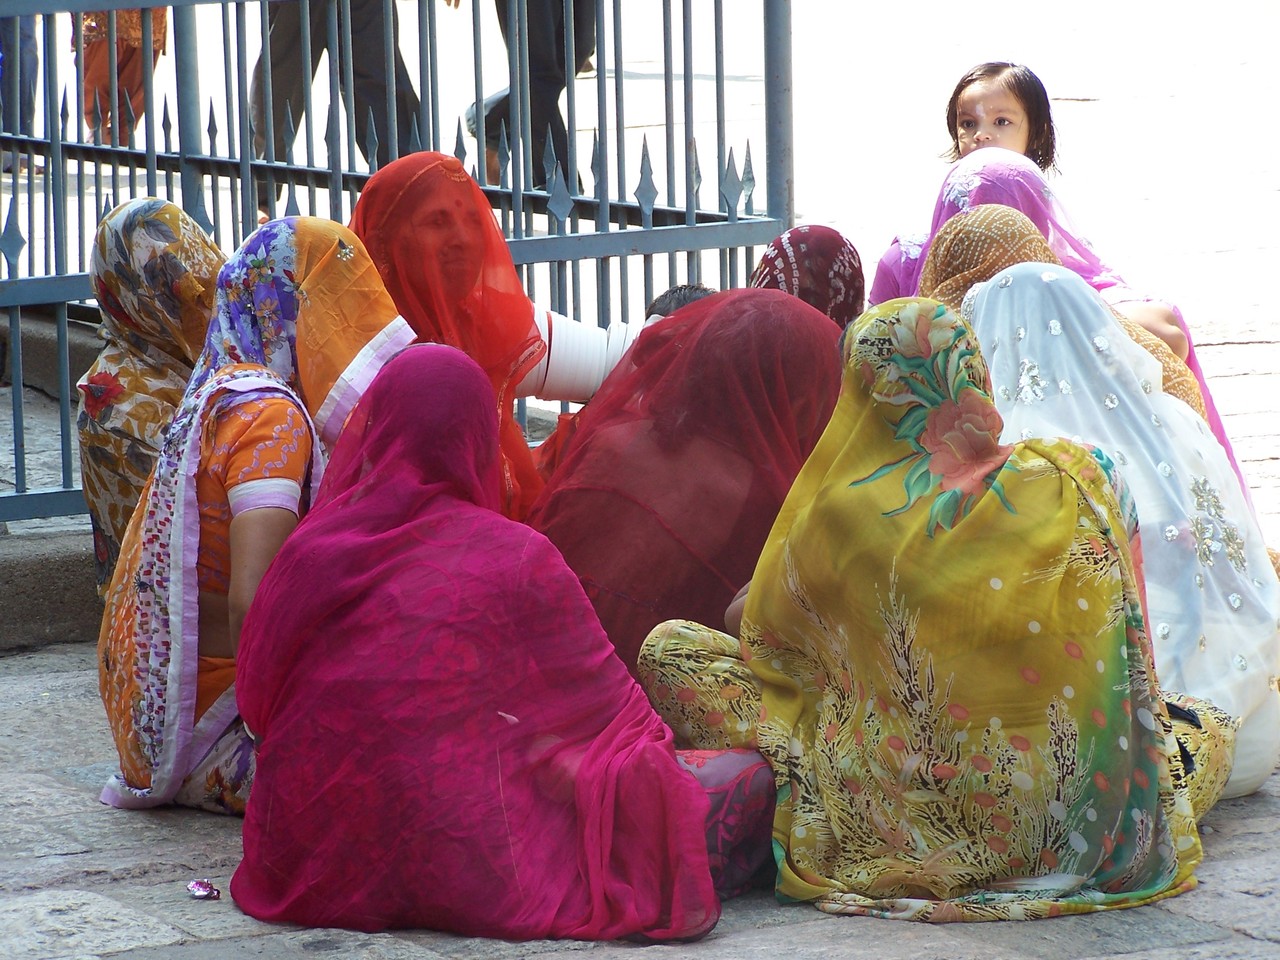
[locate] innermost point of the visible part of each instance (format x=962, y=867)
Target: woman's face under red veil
x=447, y=222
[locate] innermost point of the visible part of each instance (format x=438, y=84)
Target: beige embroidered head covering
x=973, y=247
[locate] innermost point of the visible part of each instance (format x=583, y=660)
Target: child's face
x=988, y=115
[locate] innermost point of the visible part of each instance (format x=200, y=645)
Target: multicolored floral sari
x=945, y=645
x=301, y=314
x=153, y=271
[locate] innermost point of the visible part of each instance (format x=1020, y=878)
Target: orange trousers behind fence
x=97, y=86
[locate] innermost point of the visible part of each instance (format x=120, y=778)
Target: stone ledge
x=47, y=584
x=40, y=350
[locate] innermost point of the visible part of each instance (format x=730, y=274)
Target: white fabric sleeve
x=266, y=492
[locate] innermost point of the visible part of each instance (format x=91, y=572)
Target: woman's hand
x=733, y=612
x=1157, y=318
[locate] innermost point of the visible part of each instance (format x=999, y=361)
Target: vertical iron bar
x=430, y=134
x=248, y=204
x=526, y=127
x=54, y=172
x=690, y=192
x=64, y=389
x=78, y=43
x=619, y=120
x=308, y=114
x=332, y=143
x=602, y=187
x=569, y=162
x=15, y=352
x=15, y=394
x=229, y=84
x=168, y=150
x=149, y=98
x=186, y=68
x=269, y=118
x=390, y=51
x=779, y=150
x=343, y=45
x=482, y=121
x=113, y=100
x=669, y=117
x=80, y=199
x=59, y=218
x=113, y=83
x=515, y=115
x=721, y=159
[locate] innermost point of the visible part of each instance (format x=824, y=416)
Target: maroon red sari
x=818, y=265
x=445, y=737
x=683, y=457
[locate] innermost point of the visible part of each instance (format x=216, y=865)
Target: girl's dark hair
x=1026, y=86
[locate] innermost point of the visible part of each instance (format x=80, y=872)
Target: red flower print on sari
x=962, y=439
x=100, y=391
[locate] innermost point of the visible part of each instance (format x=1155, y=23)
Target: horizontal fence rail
x=632, y=174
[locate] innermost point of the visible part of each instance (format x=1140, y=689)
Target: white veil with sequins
x=1062, y=366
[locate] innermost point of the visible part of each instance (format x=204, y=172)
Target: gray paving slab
x=80, y=879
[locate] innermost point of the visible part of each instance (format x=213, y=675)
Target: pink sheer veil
x=997, y=175
x=451, y=448
x=426, y=679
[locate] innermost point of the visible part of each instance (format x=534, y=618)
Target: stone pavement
x=82, y=880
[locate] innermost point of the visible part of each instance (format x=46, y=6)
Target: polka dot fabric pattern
x=973, y=731
x=973, y=247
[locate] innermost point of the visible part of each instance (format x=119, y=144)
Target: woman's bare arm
x=256, y=536
x=1157, y=318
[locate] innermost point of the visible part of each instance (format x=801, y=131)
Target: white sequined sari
x=1062, y=366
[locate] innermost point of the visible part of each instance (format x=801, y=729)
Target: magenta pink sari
x=996, y=175
x=445, y=736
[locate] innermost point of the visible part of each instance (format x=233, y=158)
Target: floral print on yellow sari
x=947, y=644
x=973, y=732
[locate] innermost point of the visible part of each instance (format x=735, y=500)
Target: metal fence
x=603, y=209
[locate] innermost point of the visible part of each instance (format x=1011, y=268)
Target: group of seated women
x=952, y=609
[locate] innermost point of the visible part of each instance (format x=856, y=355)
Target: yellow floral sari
x=944, y=659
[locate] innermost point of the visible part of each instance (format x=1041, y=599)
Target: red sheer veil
x=683, y=458
x=445, y=736
x=433, y=237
